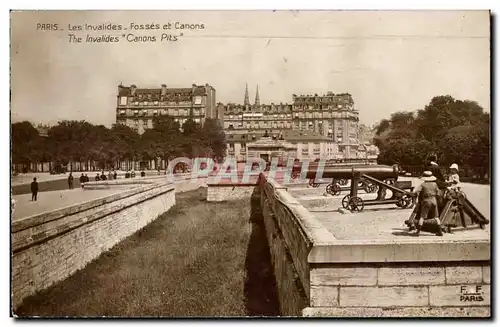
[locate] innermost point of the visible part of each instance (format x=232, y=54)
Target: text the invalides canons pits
x=134, y=32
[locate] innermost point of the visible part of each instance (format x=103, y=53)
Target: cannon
x=454, y=210
x=336, y=186
x=378, y=177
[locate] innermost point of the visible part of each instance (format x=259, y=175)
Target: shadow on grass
x=261, y=298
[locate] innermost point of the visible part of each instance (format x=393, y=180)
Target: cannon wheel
x=343, y=181
x=356, y=204
x=390, y=181
x=333, y=189
x=405, y=202
x=412, y=201
x=345, y=201
x=313, y=184
x=370, y=188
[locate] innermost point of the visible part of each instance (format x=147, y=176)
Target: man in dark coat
x=70, y=181
x=432, y=166
x=34, y=189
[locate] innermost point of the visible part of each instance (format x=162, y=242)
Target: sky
x=388, y=60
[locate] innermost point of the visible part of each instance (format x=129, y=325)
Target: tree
x=458, y=131
x=25, y=143
x=214, y=137
x=126, y=142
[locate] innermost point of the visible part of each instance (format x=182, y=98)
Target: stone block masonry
x=50, y=247
x=437, y=288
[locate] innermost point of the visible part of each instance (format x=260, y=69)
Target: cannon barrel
x=380, y=172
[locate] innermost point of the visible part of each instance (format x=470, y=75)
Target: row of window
x=148, y=123
x=310, y=115
x=288, y=124
x=185, y=100
x=156, y=112
x=308, y=106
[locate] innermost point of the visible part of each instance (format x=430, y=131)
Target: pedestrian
x=115, y=175
x=86, y=178
x=34, y=189
x=127, y=174
x=110, y=175
x=70, y=181
x=132, y=174
x=97, y=178
x=427, y=193
x=433, y=167
x=103, y=176
x=143, y=174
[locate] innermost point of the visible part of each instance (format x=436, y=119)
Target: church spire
x=247, y=101
x=257, y=99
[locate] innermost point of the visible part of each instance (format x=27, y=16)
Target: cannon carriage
x=371, y=178
x=454, y=210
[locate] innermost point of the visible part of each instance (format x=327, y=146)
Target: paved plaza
x=48, y=201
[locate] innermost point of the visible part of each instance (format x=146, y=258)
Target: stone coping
x=405, y=250
x=44, y=217
x=310, y=226
x=229, y=184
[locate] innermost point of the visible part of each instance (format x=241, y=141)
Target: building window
x=156, y=103
x=122, y=112
x=123, y=101
x=136, y=112
x=155, y=113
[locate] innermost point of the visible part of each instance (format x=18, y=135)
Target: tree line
x=80, y=144
x=456, y=131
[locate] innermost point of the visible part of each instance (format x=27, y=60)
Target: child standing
x=427, y=197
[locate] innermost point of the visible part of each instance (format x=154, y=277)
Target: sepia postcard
x=265, y=163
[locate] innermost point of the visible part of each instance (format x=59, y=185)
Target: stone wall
x=50, y=247
x=423, y=288
x=319, y=275
x=291, y=231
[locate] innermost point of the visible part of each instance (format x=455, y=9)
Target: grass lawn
x=199, y=259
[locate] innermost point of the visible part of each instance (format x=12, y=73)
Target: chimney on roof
x=163, y=89
x=132, y=89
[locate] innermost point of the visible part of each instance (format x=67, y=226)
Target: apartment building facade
x=137, y=107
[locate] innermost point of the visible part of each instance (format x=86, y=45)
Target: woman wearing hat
x=427, y=197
